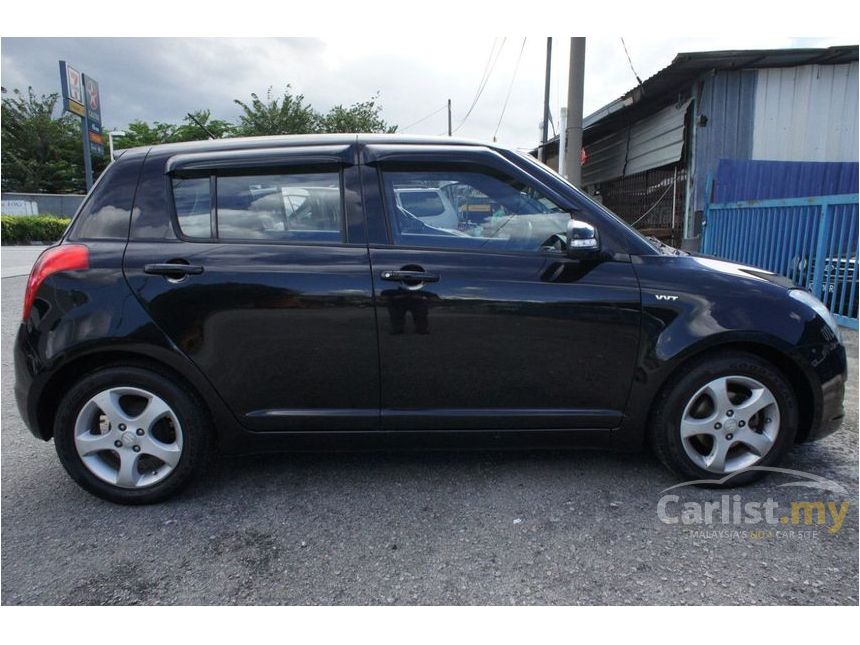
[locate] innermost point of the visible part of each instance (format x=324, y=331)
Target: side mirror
x=582, y=240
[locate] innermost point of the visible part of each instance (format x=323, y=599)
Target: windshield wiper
x=664, y=248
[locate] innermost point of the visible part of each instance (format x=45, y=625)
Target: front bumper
x=829, y=365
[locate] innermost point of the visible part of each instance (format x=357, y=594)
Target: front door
x=265, y=289
x=484, y=323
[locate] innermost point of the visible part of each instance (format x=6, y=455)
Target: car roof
x=290, y=140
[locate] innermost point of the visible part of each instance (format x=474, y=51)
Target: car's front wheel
x=131, y=435
x=724, y=414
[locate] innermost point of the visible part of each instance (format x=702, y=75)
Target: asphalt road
x=553, y=527
x=18, y=260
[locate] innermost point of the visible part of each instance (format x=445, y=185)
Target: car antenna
x=202, y=127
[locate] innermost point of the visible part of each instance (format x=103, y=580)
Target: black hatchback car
x=258, y=294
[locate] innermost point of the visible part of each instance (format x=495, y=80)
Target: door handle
x=409, y=276
x=173, y=269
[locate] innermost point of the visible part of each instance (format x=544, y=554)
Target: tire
x=120, y=461
x=690, y=402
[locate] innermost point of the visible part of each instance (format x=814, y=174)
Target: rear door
x=488, y=325
x=255, y=264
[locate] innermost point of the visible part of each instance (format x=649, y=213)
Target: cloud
x=161, y=79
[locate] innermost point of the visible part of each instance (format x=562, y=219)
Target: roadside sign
x=72, y=83
x=94, y=115
x=81, y=98
x=94, y=108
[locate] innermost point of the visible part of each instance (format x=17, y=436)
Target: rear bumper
x=27, y=385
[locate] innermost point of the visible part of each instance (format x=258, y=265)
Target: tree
x=40, y=153
x=290, y=115
x=364, y=116
x=201, y=126
x=141, y=133
x=43, y=154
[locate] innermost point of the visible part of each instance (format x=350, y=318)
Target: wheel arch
x=793, y=372
x=72, y=370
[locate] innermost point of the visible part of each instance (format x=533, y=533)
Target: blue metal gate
x=811, y=240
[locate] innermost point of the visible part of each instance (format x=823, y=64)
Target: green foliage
x=201, y=126
x=31, y=228
x=290, y=115
x=140, y=133
x=364, y=116
x=39, y=153
x=42, y=154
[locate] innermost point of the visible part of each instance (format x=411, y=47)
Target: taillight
x=66, y=257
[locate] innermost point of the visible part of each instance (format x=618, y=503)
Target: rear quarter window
x=192, y=197
x=106, y=213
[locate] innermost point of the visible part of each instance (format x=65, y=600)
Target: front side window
x=470, y=210
x=290, y=207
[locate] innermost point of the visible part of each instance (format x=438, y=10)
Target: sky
x=161, y=79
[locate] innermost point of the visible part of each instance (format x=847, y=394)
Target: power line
x=623, y=44
x=488, y=71
x=422, y=119
x=510, y=88
x=482, y=83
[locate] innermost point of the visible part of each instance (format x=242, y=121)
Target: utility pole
x=545, y=129
x=449, y=117
x=575, y=91
x=562, y=142
x=88, y=160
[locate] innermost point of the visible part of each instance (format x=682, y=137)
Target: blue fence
x=811, y=240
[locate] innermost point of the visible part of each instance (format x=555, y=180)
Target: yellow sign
x=77, y=108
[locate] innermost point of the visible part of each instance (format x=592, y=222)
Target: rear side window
x=295, y=207
x=106, y=213
x=304, y=207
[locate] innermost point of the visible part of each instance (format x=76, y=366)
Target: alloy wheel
x=730, y=423
x=128, y=437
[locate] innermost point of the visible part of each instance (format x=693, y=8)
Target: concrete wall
x=58, y=205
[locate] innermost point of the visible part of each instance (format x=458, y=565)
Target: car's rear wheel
x=131, y=435
x=722, y=415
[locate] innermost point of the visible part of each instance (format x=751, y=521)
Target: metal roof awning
x=673, y=82
x=652, y=142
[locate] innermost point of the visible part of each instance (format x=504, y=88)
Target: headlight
x=801, y=295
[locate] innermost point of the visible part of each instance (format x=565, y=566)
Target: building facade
x=650, y=154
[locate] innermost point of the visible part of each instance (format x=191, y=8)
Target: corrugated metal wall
x=727, y=100
x=737, y=180
x=605, y=158
x=657, y=140
x=653, y=142
x=806, y=113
